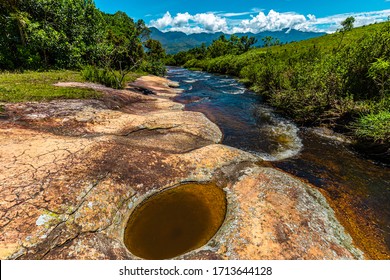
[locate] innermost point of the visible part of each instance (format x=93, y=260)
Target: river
x=356, y=188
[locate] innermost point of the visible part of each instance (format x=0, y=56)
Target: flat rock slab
x=73, y=171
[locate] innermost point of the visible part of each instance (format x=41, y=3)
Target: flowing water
x=357, y=189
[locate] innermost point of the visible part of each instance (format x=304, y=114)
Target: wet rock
x=73, y=171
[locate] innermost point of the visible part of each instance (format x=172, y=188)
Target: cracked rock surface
x=72, y=171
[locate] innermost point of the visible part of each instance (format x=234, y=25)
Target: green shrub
x=153, y=67
x=103, y=76
x=374, y=126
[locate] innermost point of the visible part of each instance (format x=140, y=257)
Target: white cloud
x=203, y=22
x=236, y=14
x=259, y=21
x=181, y=19
x=211, y=22
x=163, y=22
x=274, y=21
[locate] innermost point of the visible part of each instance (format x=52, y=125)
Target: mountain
x=174, y=41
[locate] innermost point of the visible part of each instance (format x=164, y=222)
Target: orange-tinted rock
x=274, y=216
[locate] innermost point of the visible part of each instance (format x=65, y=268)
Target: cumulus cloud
x=211, y=22
x=185, y=22
x=274, y=21
x=181, y=19
x=163, y=22
x=258, y=21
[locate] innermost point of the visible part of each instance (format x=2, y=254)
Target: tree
x=199, y=52
x=219, y=47
x=347, y=24
x=39, y=34
x=235, y=45
x=270, y=41
x=247, y=43
x=155, y=50
x=155, y=54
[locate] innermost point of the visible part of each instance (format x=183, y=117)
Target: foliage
x=47, y=33
x=347, y=24
x=103, y=76
x=70, y=34
x=155, y=56
x=379, y=71
x=153, y=67
x=38, y=86
x=222, y=46
x=269, y=41
x=375, y=126
x=155, y=50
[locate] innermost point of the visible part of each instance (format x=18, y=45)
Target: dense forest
x=73, y=34
x=339, y=80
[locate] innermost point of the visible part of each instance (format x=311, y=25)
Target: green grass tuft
x=374, y=126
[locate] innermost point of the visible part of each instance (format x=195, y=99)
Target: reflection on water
x=357, y=189
x=175, y=221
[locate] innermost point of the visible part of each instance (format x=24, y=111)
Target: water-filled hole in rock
x=175, y=221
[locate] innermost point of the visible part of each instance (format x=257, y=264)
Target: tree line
x=70, y=34
x=222, y=46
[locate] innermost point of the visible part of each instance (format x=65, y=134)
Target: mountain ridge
x=176, y=41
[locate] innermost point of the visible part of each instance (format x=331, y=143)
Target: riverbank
x=74, y=170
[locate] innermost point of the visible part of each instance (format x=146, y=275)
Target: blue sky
x=192, y=16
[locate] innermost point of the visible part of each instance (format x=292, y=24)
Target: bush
x=374, y=126
x=153, y=67
x=103, y=76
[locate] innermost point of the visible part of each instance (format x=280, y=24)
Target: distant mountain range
x=174, y=42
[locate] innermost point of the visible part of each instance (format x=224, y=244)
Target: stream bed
x=357, y=189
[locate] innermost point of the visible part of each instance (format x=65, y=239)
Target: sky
x=237, y=16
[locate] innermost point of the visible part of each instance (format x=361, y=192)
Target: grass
x=39, y=86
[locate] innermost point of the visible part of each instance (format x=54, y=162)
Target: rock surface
x=72, y=171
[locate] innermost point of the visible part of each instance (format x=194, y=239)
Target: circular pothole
x=175, y=221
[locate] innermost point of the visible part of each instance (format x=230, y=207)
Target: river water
x=357, y=189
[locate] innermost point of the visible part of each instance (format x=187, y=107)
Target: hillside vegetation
x=340, y=80
x=74, y=34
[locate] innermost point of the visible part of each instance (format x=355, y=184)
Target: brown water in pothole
x=175, y=221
